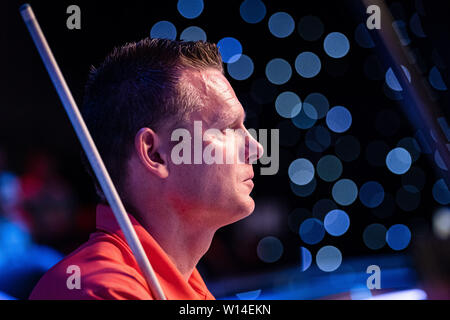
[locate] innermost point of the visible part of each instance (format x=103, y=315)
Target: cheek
x=228, y=146
x=203, y=180
x=217, y=184
x=223, y=176
x=197, y=181
x=231, y=150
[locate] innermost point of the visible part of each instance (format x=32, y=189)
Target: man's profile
x=133, y=102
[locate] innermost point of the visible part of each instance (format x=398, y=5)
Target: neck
x=184, y=242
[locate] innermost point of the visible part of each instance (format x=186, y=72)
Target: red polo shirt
x=108, y=269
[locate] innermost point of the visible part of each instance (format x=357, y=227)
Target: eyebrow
x=228, y=118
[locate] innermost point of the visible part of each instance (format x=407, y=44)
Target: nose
x=254, y=149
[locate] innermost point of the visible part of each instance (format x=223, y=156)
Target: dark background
x=32, y=120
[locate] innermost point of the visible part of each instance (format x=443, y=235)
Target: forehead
x=219, y=101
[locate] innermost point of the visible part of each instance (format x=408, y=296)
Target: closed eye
x=237, y=123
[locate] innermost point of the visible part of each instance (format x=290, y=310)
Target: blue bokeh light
x=436, y=80
x=164, y=30
x=193, y=34
x=336, y=45
x=241, y=69
x=412, y=146
x=318, y=138
x=392, y=81
x=416, y=26
x=305, y=190
x=344, y=192
x=398, y=237
x=329, y=168
x=301, y=171
x=371, y=194
x=190, y=9
x=439, y=161
x=306, y=258
x=281, y=24
x=398, y=160
x=336, y=222
x=43, y=256
x=269, y=249
x=440, y=192
x=296, y=217
x=288, y=104
x=5, y=296
x=322, y=207
x=362, y=36
x=278, y=71
x=328, y=258
x=374, y=236
x=312, y=231
x=307, y=64
x=401, y=31
x=339, y=119
x=14, y=239
x=306, y=117
x=319, y=102
x=10, y=188
x=252, y=11
x=391, y=94
x=230, y=49
x=311, y=112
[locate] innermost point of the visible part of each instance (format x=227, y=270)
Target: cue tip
x=25, y=6
x=26, y=12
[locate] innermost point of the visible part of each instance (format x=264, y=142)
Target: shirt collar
x=173, y=283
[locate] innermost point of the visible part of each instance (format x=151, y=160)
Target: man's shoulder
x=101, y=268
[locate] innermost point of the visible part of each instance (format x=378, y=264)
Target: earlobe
x=148, y=148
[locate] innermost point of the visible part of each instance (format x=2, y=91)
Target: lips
x=250, y=177
x=249, y=182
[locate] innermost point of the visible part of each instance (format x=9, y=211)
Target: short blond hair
x=138, y=85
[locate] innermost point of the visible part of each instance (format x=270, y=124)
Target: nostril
x=260, y=150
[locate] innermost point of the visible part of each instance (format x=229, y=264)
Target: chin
x=251, y=206
x=245, y=208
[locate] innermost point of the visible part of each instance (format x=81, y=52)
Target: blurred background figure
x=22, y=261
x=47, y=201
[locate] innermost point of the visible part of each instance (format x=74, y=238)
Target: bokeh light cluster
x=326, y=132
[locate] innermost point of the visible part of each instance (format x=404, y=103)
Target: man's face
x=219, y=193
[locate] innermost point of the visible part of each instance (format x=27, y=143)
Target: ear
x=148, y=148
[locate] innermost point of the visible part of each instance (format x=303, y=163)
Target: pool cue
x=90, y=149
